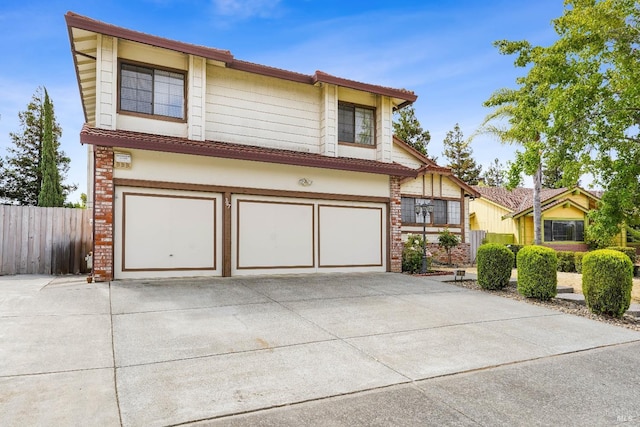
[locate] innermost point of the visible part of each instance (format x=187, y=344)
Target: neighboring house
x=203, y=164
x=508, y=215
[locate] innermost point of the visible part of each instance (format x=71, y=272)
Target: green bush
x=412, y=255
x=537, y=272
x=630, y=252
x=607, y=279
x=447, y=240
x=566, y=261
x=577, y=258
x=495, y=262
x=515, y=249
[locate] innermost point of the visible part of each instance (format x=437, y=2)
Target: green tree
x=21, y=172
x=590, y=111
x=459, y=152
x=494, y=175
x=407, y=127
x=51, y=192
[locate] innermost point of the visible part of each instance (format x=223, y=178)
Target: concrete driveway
x=340, y=349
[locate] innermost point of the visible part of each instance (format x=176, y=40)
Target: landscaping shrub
x=447, y=240
x=495, y=262
x=607, y=279
x=537, y=272
x=566, y=261
x=630, y=252
x=412, y=255
x=577, y=258
x=515, y=249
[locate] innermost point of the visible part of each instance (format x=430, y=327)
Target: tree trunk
x=537, y=209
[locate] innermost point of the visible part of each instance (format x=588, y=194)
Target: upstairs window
x=152, y=91
x=356, y=124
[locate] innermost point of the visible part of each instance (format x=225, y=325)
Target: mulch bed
x=564, y=306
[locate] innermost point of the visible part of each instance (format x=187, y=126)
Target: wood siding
x=257, y=110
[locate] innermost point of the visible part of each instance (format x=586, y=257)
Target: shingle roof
x=170, y=144
x=517, y=200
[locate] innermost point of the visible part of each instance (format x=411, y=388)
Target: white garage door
x=283, y=235
x=166, y=233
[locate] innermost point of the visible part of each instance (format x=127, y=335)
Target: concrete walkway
x=350, y=349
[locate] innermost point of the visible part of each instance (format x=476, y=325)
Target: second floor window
x=152, y=91
x=356, y=124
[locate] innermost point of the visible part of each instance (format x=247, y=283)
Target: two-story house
x=203, y=164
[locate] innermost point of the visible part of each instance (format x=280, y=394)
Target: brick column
x=395, y=234
x=103, y=214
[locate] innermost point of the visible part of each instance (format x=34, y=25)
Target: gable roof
x=429, y=166
x=83, y=31
x=520, y=200
x=172, y=144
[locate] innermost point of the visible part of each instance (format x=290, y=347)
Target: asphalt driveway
x=340, y=349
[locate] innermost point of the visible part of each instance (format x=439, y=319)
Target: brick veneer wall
x=460, y=255
x=395, y=208
x=103, y=214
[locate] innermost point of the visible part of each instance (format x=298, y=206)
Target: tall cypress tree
x=51, y=193
x=21, y=172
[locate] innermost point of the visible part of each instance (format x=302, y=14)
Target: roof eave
x=219, y=151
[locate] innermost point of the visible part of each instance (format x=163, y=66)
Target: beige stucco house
x=203, y=164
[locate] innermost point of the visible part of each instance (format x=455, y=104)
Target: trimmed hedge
x=577, y=258
x=566, y=261
x=515, y=249
x=630, y=252
x=607, y=279
x=537, y=272
x=495, y=262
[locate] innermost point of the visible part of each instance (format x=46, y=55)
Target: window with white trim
x=147, y=90
x=356, y=124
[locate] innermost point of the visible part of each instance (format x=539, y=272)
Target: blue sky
x=441, y=50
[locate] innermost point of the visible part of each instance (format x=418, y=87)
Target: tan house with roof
x=203, y=164
x=508, y=215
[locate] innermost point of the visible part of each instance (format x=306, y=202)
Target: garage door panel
x=163, y=232
x=274, y=234
x=350, y=236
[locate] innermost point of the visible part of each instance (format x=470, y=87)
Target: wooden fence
x=36, y=240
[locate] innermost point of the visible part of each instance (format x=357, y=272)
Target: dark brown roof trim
x=323, y=77
x=144, y=141
x=82, y=22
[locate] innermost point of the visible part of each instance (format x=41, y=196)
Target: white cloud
x=243, y=9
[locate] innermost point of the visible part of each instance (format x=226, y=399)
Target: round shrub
x=494, y=266
x=607, y=279
x=537, y=275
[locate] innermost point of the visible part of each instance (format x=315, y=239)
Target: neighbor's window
x=355, y=124
x=563, y=231
x=445, y=212
x=151, y=91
